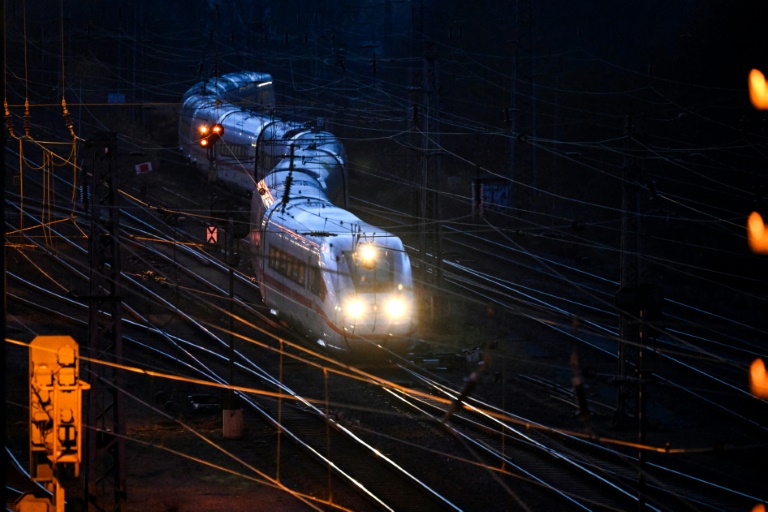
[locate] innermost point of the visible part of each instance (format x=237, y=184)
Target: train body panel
x=312, y=271
x=254, y=142
x=340, y=281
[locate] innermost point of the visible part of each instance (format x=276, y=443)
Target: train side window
x=288, y=265
x=303, y=274
x=316, y=283
x=298, y=271
x=273, y=258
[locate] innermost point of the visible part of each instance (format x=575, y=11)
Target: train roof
x=240, y=87
x=323, y=220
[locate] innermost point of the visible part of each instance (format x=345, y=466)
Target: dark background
x=570, y=104
x=553, y=98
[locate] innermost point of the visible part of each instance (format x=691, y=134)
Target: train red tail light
x=210, y=135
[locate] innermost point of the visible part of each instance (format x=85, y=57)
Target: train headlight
x=396, y=308
x=354, y=309
x=367, y=255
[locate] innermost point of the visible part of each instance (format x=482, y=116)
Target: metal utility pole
x=105, y=476
x=629, y=280
x=3, y=289
x=638, y=303
x=522, y=113
x=431, y=174
x=427, y=204
x=232, y=415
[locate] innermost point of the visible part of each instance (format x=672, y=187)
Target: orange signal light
x=758, y=90
x=757, y=235
x=758, y=379
x=210, y=135
x=203, y=131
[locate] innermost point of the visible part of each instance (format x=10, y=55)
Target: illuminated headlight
x=396, y=308
x=354, y=309
x=367, y=254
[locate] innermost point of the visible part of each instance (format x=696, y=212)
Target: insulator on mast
x=67, y=118
x=287, y=190
x=27, y=117
x=8, y=120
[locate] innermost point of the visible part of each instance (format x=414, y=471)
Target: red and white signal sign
x=143, y=168
x=212, y=234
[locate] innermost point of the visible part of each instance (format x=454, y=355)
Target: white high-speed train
x=343, y=283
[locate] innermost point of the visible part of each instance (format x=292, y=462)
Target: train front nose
x=378, y=314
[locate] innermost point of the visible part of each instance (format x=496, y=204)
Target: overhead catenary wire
x=675, y=264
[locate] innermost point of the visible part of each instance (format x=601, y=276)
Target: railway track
x=401, y=490
x=165, y=273
x=699, y=363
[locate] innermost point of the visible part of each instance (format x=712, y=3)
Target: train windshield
x=372, y=269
